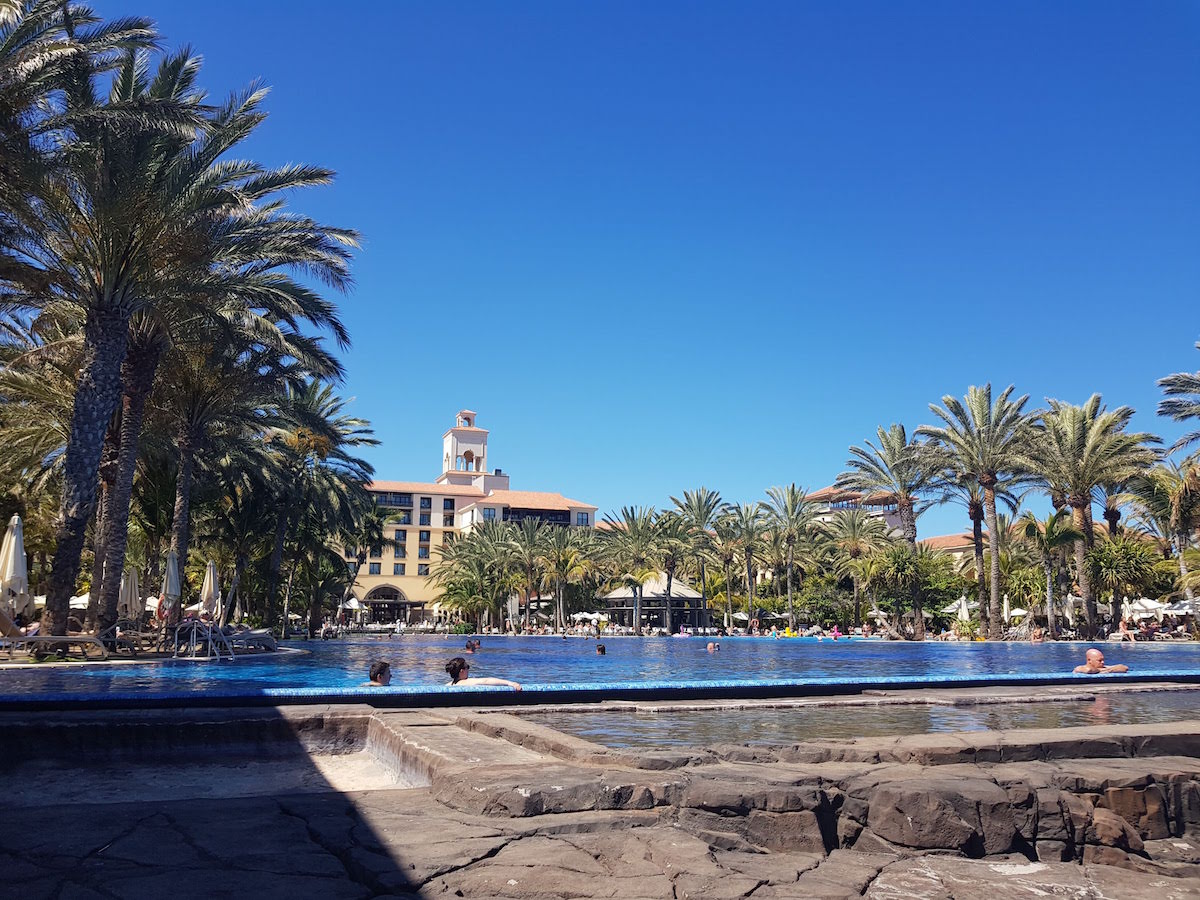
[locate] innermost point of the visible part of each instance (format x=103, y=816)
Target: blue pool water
x=339, y=667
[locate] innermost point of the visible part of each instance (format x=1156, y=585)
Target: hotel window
x=581, y=518
x=423, y=569
x=350, y=553
x=448, y=504
x=424, y=537
x=397, y=568
x=489, y=514
x=447, y=521
x=422, y=553
x=399, y=552
x=401, y=537
x=374, y=569
x=424, y=518
x=406, y=517
x=376, y=552
x=426, y=503
x=447, y=537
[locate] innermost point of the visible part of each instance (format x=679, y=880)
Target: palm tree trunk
x=1083, y=521
x=995, y=625
x=668, y=619
x=980, y=577
x=97, y=391
x=1182, y=540
x=528, y=597
x=239, y=564
x=1050, y=622
x=180, y=523
x=857, y=607
x=138, y=377
x=749, y=589
x=791, y=608
x=275, y=566
x=703, y=588
x=908, y=520
x=98, y=543
x=729, y=598
x=637, y=609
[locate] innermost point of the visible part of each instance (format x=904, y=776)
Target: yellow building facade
x=395, y=583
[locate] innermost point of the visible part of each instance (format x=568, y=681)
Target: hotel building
x=832, y=499
x=394, y=583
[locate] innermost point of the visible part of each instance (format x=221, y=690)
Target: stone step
x=425, y=748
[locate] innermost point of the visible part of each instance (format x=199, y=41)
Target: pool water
x=791, y=725
x=544, y=663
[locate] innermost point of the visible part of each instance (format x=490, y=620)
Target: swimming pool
x=782, y=726
x=337, y=669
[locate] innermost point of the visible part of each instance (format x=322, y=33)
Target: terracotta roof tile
x=426, y=487
x=531, y=500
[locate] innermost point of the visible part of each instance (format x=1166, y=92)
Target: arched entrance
x=387, y=603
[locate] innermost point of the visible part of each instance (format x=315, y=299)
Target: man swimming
x=1094, y=665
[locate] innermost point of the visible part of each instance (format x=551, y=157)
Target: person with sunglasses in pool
x=460, y=676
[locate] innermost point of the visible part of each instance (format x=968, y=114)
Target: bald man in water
x=1095, y=665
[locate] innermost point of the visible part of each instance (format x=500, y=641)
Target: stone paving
x=509, y=809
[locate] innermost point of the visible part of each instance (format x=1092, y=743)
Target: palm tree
x=1074, y=450
x=564, y=560
x=528, y=543
x=984, y=441
x=749, y=524
x=1183, y=402
x=1049, y=538
x=726, y=547
x=700, y=509
x=630, y=542
x=898, y=467
x=853, y=534
x=793, y=514
x=672, y=543
x=1170, y=493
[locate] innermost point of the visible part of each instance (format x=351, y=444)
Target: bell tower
x=464, y=455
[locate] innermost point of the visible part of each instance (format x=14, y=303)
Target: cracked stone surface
x=974, y=817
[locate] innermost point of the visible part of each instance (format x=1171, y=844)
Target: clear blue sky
x=659, y=245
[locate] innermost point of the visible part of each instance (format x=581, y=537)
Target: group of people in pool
x=459, y=669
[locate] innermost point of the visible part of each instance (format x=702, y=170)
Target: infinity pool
x=781, y=726
x=339, y=667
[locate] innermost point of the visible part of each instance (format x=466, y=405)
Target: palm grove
x=785, y=554
x=167, y=378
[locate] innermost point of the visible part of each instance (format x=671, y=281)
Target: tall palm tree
x=726, y=548
x=564, y=560
x=700, y=509
x=1170, y=493
x=1074, y=450
x=749, y=524
x=897, y=467
x=528, y=542
x=984, y=441
x=853, y=534
x=1049, y=539
x=1182, y=402
x=630, y=547
x=672, y=543
x=789, y=510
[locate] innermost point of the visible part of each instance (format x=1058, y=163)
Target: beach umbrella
x=130, y=605
x=210, y=592
x=169, y=595
x=14, y=579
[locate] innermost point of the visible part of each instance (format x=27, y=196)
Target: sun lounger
x=254, y=639
x=13, y=639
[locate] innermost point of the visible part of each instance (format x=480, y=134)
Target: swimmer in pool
x=380, y=674
x=1094, y=665
x=460, y=676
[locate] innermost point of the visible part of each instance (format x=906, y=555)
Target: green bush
x=463, y=628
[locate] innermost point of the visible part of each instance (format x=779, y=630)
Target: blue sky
x=659, y=245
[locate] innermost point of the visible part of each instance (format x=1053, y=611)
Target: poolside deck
x=488, y=804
